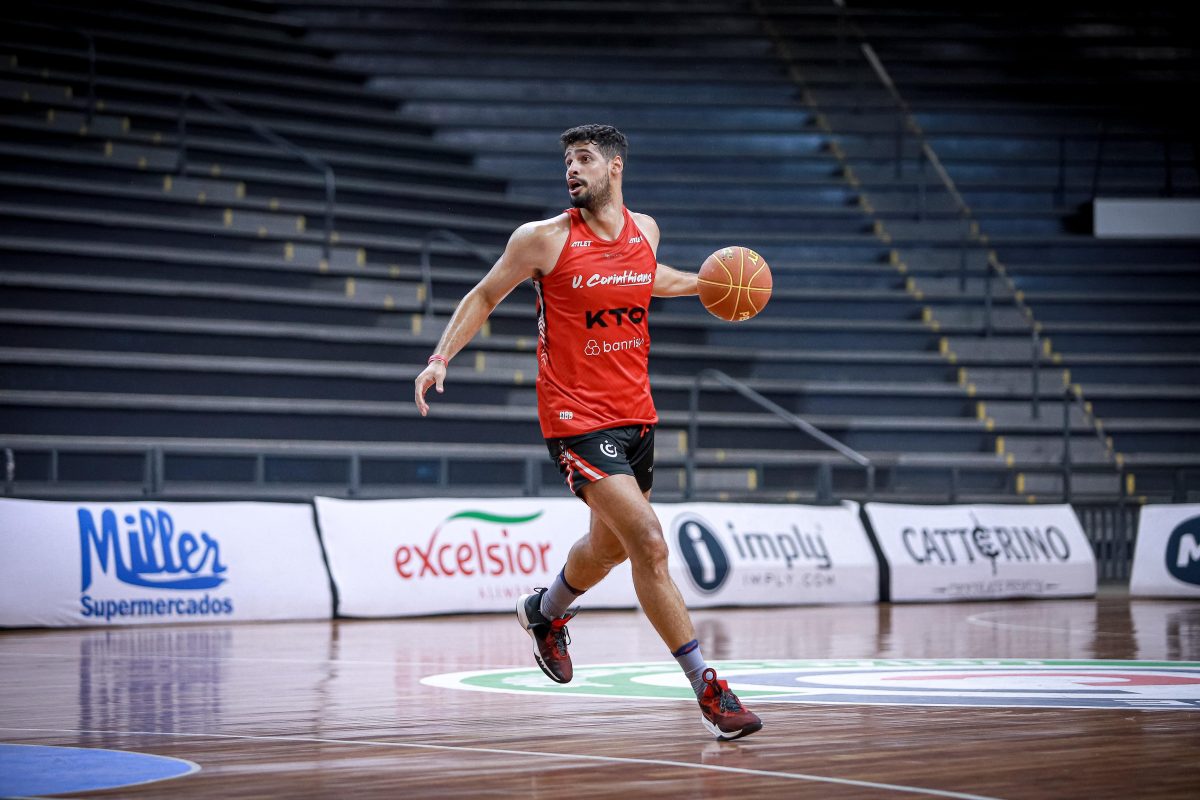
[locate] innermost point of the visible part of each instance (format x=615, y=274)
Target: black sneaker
x=550, y=637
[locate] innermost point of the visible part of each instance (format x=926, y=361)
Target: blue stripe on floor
x=29, y=770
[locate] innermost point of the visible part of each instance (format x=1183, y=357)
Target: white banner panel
x=132, y=563
x=1166, y=557
x=757, y=554
x=409, y=557
x=983, y=552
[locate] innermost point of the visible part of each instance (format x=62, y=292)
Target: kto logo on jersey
x=1183, y=551
x=601, y=318
x=976, y=683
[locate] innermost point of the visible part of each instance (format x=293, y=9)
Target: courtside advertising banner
x=410, y=557
x=1166, y=558
x=66, y=564
x=983, y=552
x=751, y=554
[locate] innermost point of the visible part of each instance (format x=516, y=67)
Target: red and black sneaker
x=550, y=637
x=721, y=711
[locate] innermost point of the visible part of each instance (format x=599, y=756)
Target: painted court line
x=794, y=776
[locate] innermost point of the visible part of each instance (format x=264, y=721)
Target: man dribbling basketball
x=594, y=270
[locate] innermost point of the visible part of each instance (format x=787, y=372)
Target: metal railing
x=1069, y=401
x=824, y=470
x=269, y=136
x=1103, y=136
x=89, y=40
x=484, y=254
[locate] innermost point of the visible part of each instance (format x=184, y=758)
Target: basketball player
x=594, y=269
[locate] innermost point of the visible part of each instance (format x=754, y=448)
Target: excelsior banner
x=444, y=556
x=982, y=552
x=410, y=557
x=65, y=564
x=1166, y=557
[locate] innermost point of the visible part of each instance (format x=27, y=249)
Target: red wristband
x=436, y=357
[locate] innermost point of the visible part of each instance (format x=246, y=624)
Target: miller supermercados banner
x=402, y=557
x=66, y=564
x=983, y=552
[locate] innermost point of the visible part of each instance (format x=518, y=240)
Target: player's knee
x=652, y=552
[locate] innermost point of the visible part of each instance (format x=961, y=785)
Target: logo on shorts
x=707, y=563
x=608, y=448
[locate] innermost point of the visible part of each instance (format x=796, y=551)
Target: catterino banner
x=403, y=557
x=1166, y=558
x=981, y=552
x=64, y=564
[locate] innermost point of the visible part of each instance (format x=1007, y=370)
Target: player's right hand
x=433, y=375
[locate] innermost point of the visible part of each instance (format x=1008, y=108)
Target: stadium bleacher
x=175, y=327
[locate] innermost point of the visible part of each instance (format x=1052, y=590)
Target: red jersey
x=593, y=333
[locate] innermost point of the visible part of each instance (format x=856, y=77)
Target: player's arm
x=519, y=261
x=668, y=281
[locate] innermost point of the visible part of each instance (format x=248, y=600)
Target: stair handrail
x=481, y=252
x=825, y=484
x=907, y=115
x=91, y=56
x=1070, y=397
x=271, y=137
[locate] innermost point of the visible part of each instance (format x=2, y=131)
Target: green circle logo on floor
x=975, y=682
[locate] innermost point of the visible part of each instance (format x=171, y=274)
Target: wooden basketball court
x=339, y=709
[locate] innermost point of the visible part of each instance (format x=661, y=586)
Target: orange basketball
x=735, y=283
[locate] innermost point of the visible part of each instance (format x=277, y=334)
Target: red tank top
x=593, y=334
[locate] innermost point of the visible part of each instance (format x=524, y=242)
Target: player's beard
x=594, y=197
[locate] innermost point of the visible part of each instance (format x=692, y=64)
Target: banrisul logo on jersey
x=142, y=563
x=771, y=554
x=971, y=683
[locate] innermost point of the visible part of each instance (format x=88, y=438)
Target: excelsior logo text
x=474, y=543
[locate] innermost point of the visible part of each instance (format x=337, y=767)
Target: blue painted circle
x=28, y=769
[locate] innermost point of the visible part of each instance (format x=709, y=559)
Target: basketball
x=735, y=283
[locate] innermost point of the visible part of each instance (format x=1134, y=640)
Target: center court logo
x=1183, y=551
x=977, y=683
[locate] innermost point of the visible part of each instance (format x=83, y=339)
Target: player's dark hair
x=608, y=139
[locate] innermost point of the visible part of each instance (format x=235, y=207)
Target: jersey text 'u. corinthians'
x=593, y=332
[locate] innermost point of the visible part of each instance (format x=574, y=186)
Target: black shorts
x=590, y=457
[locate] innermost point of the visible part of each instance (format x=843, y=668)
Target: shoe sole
x=727, y=736
x=537, y=655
